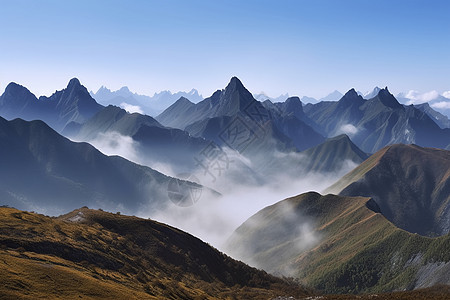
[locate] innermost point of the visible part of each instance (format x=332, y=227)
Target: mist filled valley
x=293, y=150
x=220, y=169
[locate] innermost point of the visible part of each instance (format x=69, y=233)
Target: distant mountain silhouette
x=155, y=143
x=372, y=93
x=377, y=122
x=440, y=119
x=235, y=98
x=72, y=104
x=333, y=96
x=150, y=105
x=41, y=170
x=210, y=117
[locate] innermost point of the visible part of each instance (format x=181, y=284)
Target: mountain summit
x=234, y=99
x=72, y=104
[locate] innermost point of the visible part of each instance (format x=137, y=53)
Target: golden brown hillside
x=97, y=255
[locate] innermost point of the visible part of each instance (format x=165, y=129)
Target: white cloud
x=441, y=105
x=347, y=129
x=446, y=94
x=131, y=108
x=113, y=143
x=417, y=98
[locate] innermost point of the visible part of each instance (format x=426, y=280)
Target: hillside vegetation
x=340, y=244
x=92, y=254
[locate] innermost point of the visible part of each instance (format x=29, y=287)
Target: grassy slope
x=358, y=251
x=117, y=257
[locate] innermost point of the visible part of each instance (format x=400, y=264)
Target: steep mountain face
x=44, y=171
x=410, y=184
x=152, y=142
x=72, y=104
x=115, y=119
x=340, y=244
x=173, y=115
x=94, y=254
x=234, y=99
x=333, y=155
x=440, y=119
x=280, y=122
x=375, y=123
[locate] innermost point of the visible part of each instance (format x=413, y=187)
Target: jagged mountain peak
x=351, y=97
x=373, y=93
x=125, y=89
x=351, y=93
x=385, y=97
x=235, y=83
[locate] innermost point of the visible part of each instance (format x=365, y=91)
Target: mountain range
x=387, y=229
x=377, y=122
x=383, y=225
x=41, y=170
x=93, y=254
x=340, y=244
x=235, y=109
x=72, y=104
x=410, y=184
x=149, y=105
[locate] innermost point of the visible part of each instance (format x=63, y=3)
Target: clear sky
x=300, y=47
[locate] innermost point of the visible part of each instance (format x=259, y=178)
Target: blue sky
x=300, y=47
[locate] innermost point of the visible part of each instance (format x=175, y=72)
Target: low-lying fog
x=213, y=219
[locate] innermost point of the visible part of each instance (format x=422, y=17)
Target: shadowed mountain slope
x=377, y=122
x=41, y=170
x=72, y=104
x=333, y=155
x=411, y=185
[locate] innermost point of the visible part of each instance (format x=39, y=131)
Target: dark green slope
x=340, y=244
